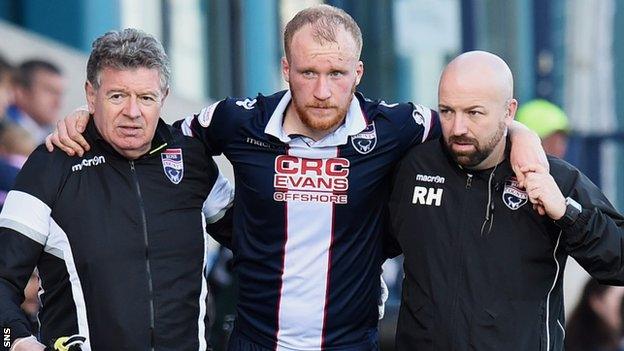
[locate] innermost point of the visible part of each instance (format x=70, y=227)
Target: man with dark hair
x=8, y=172
x=39, y=88
x=6, y=87
x=487, y=271
x=312, y=167
x=117, y=235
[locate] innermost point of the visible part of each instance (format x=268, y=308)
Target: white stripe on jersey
x=58, y=241
x=201, y=325
x=425, y=113
x=219, y=200
x=27, y=215
x=186, y=126
x=306, y=264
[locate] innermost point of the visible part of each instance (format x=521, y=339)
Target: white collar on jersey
x=354, y=124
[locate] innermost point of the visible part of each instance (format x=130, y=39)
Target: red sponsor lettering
x=311, y=175
x=285, y=164
x=333, y=167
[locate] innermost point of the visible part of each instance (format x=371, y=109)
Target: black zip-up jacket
x=483, y=270
x=119, y=244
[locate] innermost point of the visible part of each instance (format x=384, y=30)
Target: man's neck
x=132, y=155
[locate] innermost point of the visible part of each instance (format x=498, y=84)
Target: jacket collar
x=354, y=123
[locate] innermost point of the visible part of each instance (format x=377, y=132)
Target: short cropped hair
x=325, y=20
x=25, y=73
x=127, y=49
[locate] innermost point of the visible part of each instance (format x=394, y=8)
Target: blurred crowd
x=31, y=93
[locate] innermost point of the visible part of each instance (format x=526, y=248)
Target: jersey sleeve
x=24, y=228
x=217, y=209
x=426, y=122
x=415, y=124
x=596, y=239
x=214, y=125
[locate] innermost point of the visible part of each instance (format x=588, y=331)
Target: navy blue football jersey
x=309, y=215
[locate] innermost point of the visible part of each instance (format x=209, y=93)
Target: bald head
x=483, y=67
x=476, y=104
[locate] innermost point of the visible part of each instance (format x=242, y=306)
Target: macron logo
x=88, y=163
x=430, y=179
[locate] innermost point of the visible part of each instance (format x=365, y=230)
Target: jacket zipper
x=460, y=264
x=147, y=261
x=468, y=181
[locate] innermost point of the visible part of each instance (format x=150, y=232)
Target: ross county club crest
x=173, y=164
x=513, y=196
x=365, y=141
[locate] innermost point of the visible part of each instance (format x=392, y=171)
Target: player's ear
x=285, y=69
x=510, y=112
x=165, y=94
x=359, y=72
x=90, y=93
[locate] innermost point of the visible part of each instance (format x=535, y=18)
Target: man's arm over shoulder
x=214, y=125
x=414, y=124
x=24, y=228
x=596, y=238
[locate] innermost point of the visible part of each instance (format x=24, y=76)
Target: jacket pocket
x=414, y=327
x=491, y=328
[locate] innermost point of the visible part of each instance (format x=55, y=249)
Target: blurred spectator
x=549, y=122
x=596, y=322
x=16, y=144
x=39, y=88
x=6, y=89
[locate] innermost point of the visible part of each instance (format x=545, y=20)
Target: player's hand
x=543, y=192
x=27, y=344
x=68, y=133
x=526, y=150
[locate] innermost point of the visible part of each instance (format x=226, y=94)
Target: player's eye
x=117, y=98
x=147, y=100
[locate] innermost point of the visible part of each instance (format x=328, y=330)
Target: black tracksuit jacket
x=119, y=245
x=483, y=270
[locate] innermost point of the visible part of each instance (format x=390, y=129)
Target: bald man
x=486, y=272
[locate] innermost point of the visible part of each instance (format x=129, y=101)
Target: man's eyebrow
x=475, y=106
x=116, y=90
